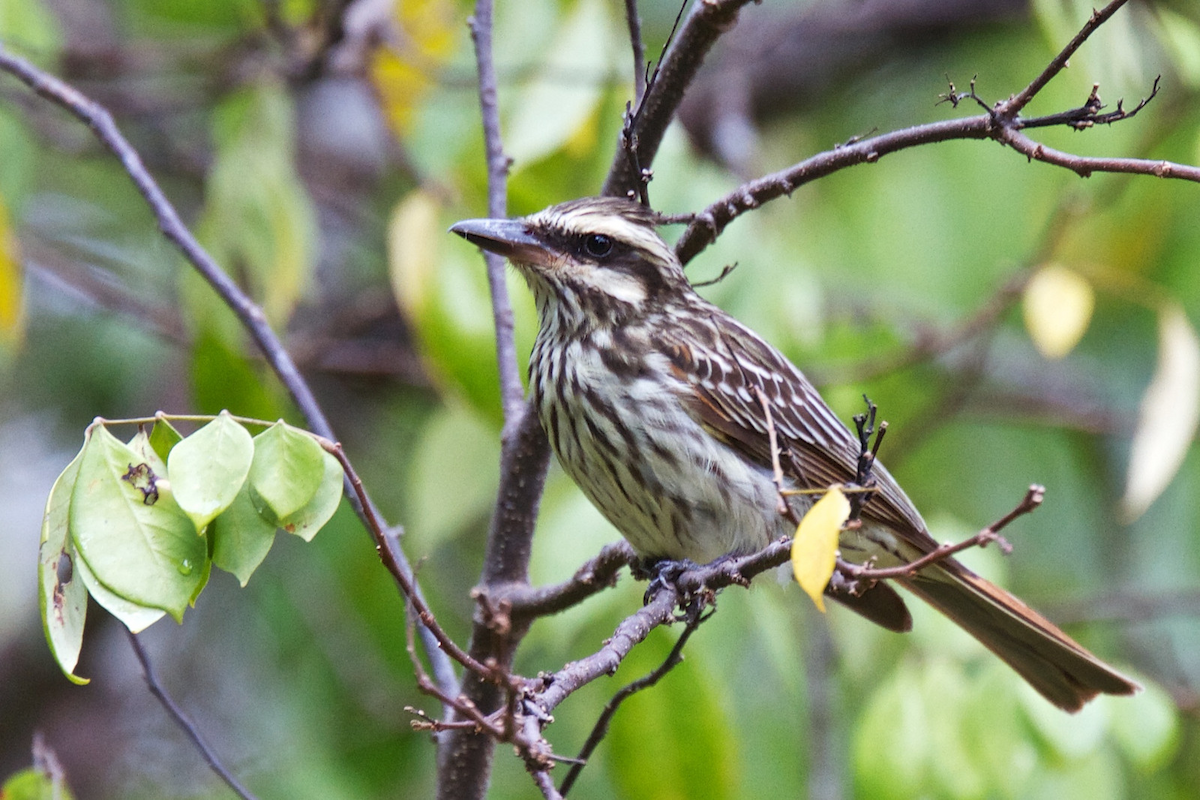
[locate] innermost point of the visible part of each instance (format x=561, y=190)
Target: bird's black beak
x=507, y=237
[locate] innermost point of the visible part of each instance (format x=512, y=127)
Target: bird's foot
x=661, y=573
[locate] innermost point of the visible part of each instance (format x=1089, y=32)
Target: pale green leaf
x=414, y=237
x=1168, y=416
x=241, y=537
x=312, y=517
x=62, y=597
x=1146, y=726
x=35, y=784
x=1058, y=307
x=814, y=549
x=257, y=213
x=287, y=470
x=163, y=437
x=208, y=468
x=549, y=110
x=672, y=741
x=135, y=617
x=125, y=523
x=1069, y=735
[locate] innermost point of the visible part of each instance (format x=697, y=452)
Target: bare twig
x=511, y=391
x=600, y=729
x=704, y=25
x=639, y=50
x=1033, y=499
x=1059, y=62
x=1001, y=122
x=781, y=503
x=184, y=722
x=388, y=556
x=593, y=576
x=545, y=784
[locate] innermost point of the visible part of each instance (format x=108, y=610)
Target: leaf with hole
x=62, y=596
x=126, y=524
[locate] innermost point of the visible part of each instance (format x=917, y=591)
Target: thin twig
x=545, y=784
x=388, y=556
x=600, y=729
x=1001, y=122
x=704, y=25
x=781, y=503
x=1059, y=62
x=511, y=391
x=1033, y=499
x=184, y=722
x=593, y=576
x=639, y=50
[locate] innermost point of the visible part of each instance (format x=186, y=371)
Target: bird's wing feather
x=728, y=381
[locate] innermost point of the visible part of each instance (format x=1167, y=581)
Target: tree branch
x=464, y=757
x=639, y=50
x=511, y=391
x=1001, y=122
x=600, y=729
x=705, y=23
x=184, y=722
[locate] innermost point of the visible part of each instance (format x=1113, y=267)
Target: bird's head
x=597, y=257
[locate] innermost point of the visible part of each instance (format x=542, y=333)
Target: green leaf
x=163, y=437
x=258, y=214
x=287, y=470
x=891, y=745
x=814, y=549
x=34, y=784
x=312, y=517
x=208, y=468
x=62, y=598
x=241, y=537
x=138, y=542
x=1145, y=727
x=549, y=111
x=671, y=741
x=135, y=617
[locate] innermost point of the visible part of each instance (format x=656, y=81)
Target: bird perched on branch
x=653, y=400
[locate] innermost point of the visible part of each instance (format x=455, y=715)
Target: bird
x=653, y=400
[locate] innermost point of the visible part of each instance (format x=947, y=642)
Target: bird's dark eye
x=597, y=245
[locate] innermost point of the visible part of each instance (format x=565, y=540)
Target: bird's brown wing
x=730, y=370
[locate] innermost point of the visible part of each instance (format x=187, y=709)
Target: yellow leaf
x=414, y=234
x=1058, y=308
x=403, y=75
x=1169, y=414
x=11, y=308
x=814, y=550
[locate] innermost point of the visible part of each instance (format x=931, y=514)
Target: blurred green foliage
x=329, y=208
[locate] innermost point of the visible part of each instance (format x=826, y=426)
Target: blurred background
x=1015, y=324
